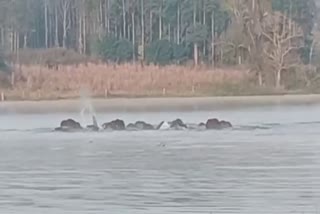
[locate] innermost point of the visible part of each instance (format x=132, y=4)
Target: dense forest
x=272, y=37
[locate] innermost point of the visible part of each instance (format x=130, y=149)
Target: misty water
x=269, y=163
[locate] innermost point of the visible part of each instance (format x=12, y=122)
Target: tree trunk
x=80, y=47
x=133, y=36
x=101, y=25
x=311, y=51
x=151, y=23
x=194, y=13
x=64, y=38
x=116, y=31
x=56, y=38
x=16, y=41
x=105, y=4
x=12, y=78
x=195, y=45
x=18, y=49
x=278, y=79
x=50, y=30
x=195, y=54
x=204, y=23
x=260, y=79
x=2, y=36
x=46, y=23
x=142, y=28
x=124, y=18
x=84, y=32
x=178, y=23
x=290, y=18
x=25, y=41
x=160, y=22
x=169, y=31
x=129, y=30
x=108, y=17
x=12, y=41
x=212, y=39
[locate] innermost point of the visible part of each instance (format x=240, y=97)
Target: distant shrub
x=164, y=52
x=115, y=50
x=49, y=56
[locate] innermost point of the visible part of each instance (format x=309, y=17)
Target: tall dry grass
x=38, y=82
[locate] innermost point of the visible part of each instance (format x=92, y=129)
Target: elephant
x=69, y=125
x=114, y=125
x=216, y=124
x=140, y=125
x=177, y=124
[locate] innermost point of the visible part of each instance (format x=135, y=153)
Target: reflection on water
x=268, y=164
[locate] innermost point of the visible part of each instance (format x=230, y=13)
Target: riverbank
x=157, y=104
x=105, y=81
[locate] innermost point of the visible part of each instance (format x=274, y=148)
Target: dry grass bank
x=128, y=80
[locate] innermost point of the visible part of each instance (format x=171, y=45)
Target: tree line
x=272, y=36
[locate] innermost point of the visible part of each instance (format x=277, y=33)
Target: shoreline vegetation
x=158, y=104
x=152, y=48
x=38, y=82
x=132, y=80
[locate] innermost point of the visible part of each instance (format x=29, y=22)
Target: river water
x=269, y=163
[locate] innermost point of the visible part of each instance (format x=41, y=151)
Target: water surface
x=270, y=163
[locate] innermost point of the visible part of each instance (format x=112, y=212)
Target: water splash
x=87, y=107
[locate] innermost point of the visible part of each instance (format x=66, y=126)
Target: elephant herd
x=119, y=125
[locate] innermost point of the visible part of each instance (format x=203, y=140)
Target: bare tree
x=65, y=10
x=252, y=14
x=282, y=44
x=46, y=15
